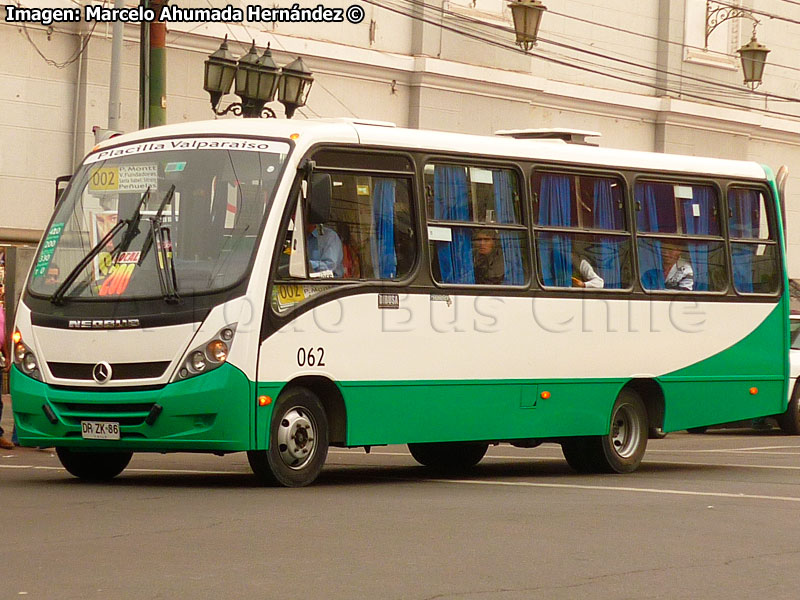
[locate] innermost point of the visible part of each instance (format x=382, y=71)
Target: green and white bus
x=279, y=287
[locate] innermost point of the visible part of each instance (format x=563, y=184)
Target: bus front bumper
x=207, y=413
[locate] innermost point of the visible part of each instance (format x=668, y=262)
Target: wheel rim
x=297, y=438
x=626, y=431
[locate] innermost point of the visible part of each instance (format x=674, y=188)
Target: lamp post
x=527, y=16
x=753, y=54
x=257, y=79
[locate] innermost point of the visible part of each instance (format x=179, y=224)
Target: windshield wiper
x=58, y=295
x=132, y=226
x=161, y=238
x=149, y=241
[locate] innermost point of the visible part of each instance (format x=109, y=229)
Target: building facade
x=638, y=73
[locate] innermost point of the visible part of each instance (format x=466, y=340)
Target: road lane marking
x=575, y=486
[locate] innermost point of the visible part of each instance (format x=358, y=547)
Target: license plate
x=99, y=430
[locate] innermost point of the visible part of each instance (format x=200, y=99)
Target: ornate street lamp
x=527, y=16
x=754, y=57
x=257, y=80
x=752, y=54
x=295, y=83
x=219, y=73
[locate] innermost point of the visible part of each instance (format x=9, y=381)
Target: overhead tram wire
x=596, y=71
x=75, y=56
x=653, y=37
x=720, y=84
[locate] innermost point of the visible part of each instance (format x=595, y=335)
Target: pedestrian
x=4, y=360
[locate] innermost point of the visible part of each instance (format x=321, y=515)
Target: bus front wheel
x=298, y=441
x=448, y=456
x=619, y=451
x=93, y=466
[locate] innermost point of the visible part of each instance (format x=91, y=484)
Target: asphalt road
x=709, y=516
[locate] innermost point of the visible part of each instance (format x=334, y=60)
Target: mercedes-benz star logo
x=101, y=372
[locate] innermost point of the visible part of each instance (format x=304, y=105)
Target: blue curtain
x=744, y=206
x=451, y=203
x=509, y=241
x=384, y=258
x=555, y=249
x=651, y=264
x=609, y=266
x=699, y=224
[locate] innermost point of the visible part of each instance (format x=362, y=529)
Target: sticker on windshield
x=125, y=178
x=175, y=167
x=119, y=274
x=48, y=248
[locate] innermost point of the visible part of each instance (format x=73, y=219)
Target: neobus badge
x=103, y=323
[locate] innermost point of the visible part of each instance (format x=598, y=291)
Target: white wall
x=421, y=76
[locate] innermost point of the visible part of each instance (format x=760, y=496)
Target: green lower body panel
x=210, y=412
x=442, y=411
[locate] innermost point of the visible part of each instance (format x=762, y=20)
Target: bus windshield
x=187, y=210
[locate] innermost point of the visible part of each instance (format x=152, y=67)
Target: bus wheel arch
x=332, y=400
x=651, y=394
x=621, y=449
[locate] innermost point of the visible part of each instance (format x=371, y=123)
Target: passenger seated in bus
x=678, y=272
x=324, y=249
x=488, y=258
x=583, y=274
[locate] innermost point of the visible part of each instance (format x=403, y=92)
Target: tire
x=93, y=466
x=697, y=430
x=620, y=450
x=449, y=456
x=656, y=433
x=578, y=456
x=789, y=422
x=298, y=441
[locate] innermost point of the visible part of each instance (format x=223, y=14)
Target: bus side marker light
x=753, y=391
x=264, y=400
x=545, y=395
x=294, y=136
x=16, y=337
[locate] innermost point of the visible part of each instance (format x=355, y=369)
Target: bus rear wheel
x=619, y=451
x=298, y=441
x=93, y=466
x=449, y=456
x=789, y=421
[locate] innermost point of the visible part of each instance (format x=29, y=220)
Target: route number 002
x=311, y=357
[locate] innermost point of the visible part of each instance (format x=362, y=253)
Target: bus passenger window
x=489, y=244
x=680, y=238
x=581, y=235
x=754, y=251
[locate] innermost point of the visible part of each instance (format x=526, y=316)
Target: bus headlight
x=25, y=359
x=198, y=362
x=209, y=356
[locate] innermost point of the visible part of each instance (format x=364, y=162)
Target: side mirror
x=61, y=185
x=319, y=198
